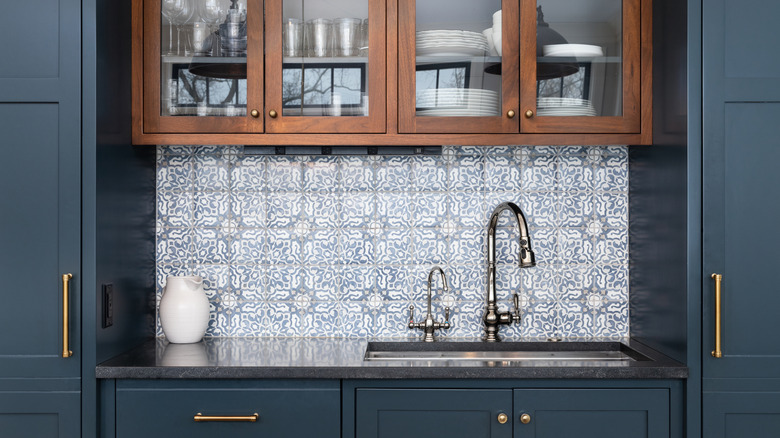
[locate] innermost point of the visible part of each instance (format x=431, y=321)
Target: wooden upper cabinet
x=185, y=79
x=585, y=66
x=392, y=72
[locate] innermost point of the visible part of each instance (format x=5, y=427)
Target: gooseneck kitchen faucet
x=493, y=318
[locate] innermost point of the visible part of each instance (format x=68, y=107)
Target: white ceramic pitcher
x=184, y=309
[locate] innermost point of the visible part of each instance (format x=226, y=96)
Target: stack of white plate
x=563, y=106
x=451, y=43
x=457, y=102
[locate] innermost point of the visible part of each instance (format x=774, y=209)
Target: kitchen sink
x=502, y=352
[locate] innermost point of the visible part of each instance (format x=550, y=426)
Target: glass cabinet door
x=580, y=66
x=458, y=66
x=205, y=66
x=325, y=64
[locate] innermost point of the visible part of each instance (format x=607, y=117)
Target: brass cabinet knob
x=273, y=114
x=502, y=418
x=525, y=418
x=510, y=113
x=254, y=113
x=529, y=114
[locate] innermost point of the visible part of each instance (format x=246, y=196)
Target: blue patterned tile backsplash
x=325, y=246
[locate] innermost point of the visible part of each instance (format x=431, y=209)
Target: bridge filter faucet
x=493, y=318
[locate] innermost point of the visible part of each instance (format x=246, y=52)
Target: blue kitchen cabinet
x=741, y=414
x=40, y=219
x=741, y=193
x=591, y=413
x=504, y=412
x=25, y=414
x=209, y=408
x=423, y=413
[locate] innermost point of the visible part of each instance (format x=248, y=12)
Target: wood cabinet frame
x=250, y=131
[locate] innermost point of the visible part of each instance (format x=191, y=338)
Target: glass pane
x=203, y=58
x=579, y=58
x=458, y=58
x=325, y=47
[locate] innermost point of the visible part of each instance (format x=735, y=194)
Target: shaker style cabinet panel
x=591, y=413
x=741, y=414
x=423, y=413
x=741, y=188
x=208, y=410
x=40, y=414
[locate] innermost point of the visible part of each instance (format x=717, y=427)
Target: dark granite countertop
x=331, y=358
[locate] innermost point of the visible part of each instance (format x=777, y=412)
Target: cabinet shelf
x=592, y=59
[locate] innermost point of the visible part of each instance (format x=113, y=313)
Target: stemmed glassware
x=177, y=12
x=213, y=13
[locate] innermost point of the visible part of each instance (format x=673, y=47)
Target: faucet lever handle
x=446, y=314
x=516, y=302
x=411, y=316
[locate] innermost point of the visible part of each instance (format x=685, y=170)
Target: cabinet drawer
x=287, y=410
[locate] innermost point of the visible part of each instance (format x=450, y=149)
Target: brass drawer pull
x=717, y=352
x=245, y=418
x=66, y=315
x=525, y=418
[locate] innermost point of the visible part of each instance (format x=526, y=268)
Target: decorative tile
x=283, y=248
x=430, y=247
x=322, y=210
x=341, y=246
x=357, y=283
x=248, y=209
x=466, y=174
x=321, y=283
x=283, y=209
x=248, y=174
x=467, y=210
x=468, y=246
x=393, y=174
x=502, y=174
x=429, y=174
x=356, y=247
x=248, y=246
x=284, y=174
x=394, y=210
x=211, y=173
x=320, y=174
x=356, y=210
x=175, y=209
x=357, y=174
x=284, y=281
x=211, y=209
x=321, y=246
x=429, y=209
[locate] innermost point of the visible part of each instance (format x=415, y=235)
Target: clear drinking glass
x=319, y=37
x=347, y=36
x=292, y=37
x=213, y=13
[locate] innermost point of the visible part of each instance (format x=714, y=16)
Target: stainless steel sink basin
x=503, y=352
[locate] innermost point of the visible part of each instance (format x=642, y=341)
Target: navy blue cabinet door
x=741, y=110
x=741, y=414
x=425, y=413
x=40, y=144
x=39, y=414
x=592, y=413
